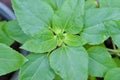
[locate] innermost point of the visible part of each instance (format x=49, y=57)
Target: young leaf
x=4, y=38
x=74, y=40
x=70, y=63
x=100, y=61
x=33, y=16
x=37, y=68
x=69, y=17
x=10, y=60
x=113, y=28
x=113, y=74
x=13, y=30
x=95, y=34
x=41, y=42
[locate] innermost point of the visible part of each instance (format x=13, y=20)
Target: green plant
x=10, y=60
x=66, y=38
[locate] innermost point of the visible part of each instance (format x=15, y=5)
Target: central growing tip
x=60, y=36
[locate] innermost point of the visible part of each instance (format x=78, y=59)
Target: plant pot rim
x=6, y=13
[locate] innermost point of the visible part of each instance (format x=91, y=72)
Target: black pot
x=6, y=13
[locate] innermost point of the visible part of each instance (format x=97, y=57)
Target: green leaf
x=95, y=34
x=10, y=60
x=74, y=40
x=13, y=30
x=113, y=74
x=100, y=61
x=70, y=63
x=57, y=77
x=94, y=30
x=55, y=4
x=110, y=3
x=104, y=3
x=37, y=68
x=117, y=61
x=44, y=41
x=97, y=16
x=113, y=28
x=90, y=4
x=4, y=38
x=33, y=16
x=69, y=17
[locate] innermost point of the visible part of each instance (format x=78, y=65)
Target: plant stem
x=97, y=4
x=117, y=52
x=113, y=44
x=115, y=49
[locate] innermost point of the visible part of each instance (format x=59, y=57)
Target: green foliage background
x=65, y=38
